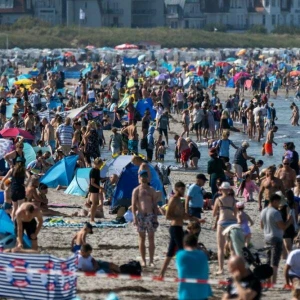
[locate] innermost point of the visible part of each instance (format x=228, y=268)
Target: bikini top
x=223, y=207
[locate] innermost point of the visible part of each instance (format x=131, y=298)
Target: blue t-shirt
x=224, y=147
x=196, y=194
x=192, y=264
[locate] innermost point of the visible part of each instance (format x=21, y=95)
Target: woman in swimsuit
x=225, y=209
x=12, y=156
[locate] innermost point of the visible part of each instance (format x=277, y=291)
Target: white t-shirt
x=85, y=264
x=293, y=261
x=91, y=94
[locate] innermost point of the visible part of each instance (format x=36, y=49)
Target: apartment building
x=236, y=14
x=12, y=10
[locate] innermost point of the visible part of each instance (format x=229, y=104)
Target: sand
x=119, y=245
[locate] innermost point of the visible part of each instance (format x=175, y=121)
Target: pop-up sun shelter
x=128, y=179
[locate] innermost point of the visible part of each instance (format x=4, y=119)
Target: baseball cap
x=89, y=226
x=143, y=173
x=201, y=176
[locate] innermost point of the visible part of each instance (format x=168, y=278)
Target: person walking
x=194, y=198
x=64, y=136
x=144, y=210
x=273, y=227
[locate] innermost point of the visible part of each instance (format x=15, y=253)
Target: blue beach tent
x=61, y=173
x=144, y=104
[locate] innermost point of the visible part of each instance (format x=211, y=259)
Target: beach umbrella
x=24, y=81
x=230, y=59
x=203, y=63
x=68, y=54
x=24, y=76
x=222, y=64
x=162, y=77
x=239, y=61
x=237, y=76
x=141, y=57
x=241, y=52
x=294, y=73
x=90, y=47
x=126, y=47
x=14, y=132
x=189, y=74
x=178, y=69
x=5, y=147
x=191, y=67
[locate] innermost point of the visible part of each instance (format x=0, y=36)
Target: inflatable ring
x=20, y=266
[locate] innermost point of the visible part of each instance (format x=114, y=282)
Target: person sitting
x=80, y=237
x=109, y=188
x=86, y=263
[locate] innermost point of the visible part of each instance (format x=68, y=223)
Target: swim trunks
x=269, y=148
x=185, y=155
x=146, y=223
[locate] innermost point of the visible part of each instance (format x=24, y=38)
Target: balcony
x=144, y=11
x=114, y=11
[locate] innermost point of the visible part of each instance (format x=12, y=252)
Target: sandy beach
x=119, y=245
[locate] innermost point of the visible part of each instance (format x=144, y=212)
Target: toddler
x=247, y=188
x=244, y=220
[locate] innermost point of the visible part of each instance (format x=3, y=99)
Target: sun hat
x=225, y=186
x=240, y=204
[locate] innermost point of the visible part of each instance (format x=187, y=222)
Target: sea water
x=286, y=133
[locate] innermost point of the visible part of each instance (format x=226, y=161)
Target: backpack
x=144, y=143
x=133, y=267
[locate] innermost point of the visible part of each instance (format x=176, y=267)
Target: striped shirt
x=65, y=134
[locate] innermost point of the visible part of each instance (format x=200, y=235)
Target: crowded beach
x=156, y=168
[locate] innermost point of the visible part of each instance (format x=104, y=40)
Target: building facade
x=12, y=10
x=236, y=14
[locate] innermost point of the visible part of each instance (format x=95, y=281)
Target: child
x=87, y=263
x=161, y=151
x=247, y=188
x=79, y=238
x=193, y=228
x=244, y=220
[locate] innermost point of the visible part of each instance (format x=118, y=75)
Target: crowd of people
x=205, y=117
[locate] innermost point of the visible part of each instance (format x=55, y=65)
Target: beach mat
x=57, y=222
x=62, y=205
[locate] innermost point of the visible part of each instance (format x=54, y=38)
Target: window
x=274, y=3
x=85, y=5
x=292, y=20
x=264, y=19
x=273, y=19
x=267, y=2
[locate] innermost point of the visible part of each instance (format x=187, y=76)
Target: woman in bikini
x=224, y=209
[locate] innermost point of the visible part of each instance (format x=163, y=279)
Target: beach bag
x=133, y=267
x=144, y=143
x=263, y=272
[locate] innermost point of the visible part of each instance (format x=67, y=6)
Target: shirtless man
x=184, y=150
x=29, y=122
x=176, y=214
x=133, y=137
x=287, y=175
x=144, y=209
x=30, y=219
x=269, y=186
x=270, y=141
x=253, y=171
x=142, y=164
x=48, y=136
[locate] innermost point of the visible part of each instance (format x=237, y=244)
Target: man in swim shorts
x=131, y=132
x=270, y=141
x=29, y=219
x=184, y=150
x=144, y=209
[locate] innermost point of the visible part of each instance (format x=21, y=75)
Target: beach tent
x=80, y=183
x=61, y=173
x=129, y=61
x=230, y=83
x=73, y=113
x=128, y=180
x=30, y=154
x=143, y=105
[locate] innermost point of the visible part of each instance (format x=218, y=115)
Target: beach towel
x=59, y=222
x=37, y=286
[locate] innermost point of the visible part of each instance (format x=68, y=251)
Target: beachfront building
x=235, y=14
x=12, y=10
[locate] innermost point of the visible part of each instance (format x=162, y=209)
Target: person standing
x=224, y=144
x=133, y=140
x=194, y=198
x=94, y=189
x=144, y=209
x=268, y=146
x=176, y=215
x=164, y=125
x=64, y=136
x=183, y=149
x=273, y=227
x=48, y=134
x=192, y=263
x=197, y=116
x=29, y=219
x=287, y=175
x=115, y=142
x=18, y=174
x=166, y=98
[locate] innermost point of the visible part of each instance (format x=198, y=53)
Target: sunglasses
x=285, y=164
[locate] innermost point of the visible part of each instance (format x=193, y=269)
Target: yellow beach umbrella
x=241, y=52
x=24, y=81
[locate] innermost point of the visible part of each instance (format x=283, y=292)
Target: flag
x=18, y=281
x=81, y=14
